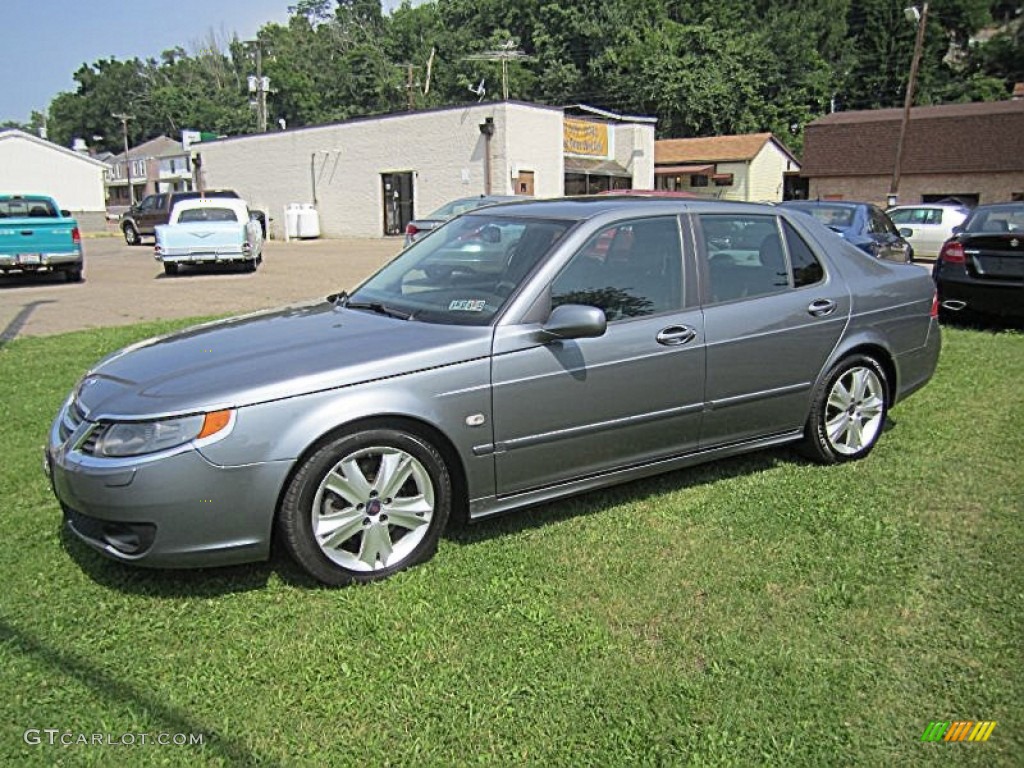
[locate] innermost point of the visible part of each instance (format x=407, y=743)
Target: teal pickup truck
x=37, y=236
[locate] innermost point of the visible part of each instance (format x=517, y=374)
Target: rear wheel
x=73, y=275
x=170, y=268
x=366, y=505
x=131, y=234
x=848, y=411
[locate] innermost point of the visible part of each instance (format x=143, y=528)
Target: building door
x=524, y=183
x=397, y=195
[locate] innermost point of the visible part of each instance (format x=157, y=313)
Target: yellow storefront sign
x=584, y=137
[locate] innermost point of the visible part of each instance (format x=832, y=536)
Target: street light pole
x=127, y=160
x=922, y=20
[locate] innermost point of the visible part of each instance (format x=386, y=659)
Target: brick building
x=972, y=152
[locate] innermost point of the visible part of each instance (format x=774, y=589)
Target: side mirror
x=906, y=232
x=65, y=213
x=575, y=321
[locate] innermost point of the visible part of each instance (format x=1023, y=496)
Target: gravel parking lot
x=125, y=285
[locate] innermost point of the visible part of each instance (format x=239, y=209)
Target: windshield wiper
x=380, y=308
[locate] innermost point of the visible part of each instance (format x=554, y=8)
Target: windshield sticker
x=467, y=305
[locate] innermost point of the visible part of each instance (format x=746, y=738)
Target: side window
x=631, y=269
x=934, y=216
x=748, y=261
x=807, y=270
x=147, y=203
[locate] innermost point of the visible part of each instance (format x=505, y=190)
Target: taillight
x=76, y=236
x=952, y=253
x=411, y=229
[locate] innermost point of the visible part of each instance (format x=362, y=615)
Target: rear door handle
x=821, y=307
x=675, y=335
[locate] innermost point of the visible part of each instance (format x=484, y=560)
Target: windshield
x=464, y=272
x=997, y=218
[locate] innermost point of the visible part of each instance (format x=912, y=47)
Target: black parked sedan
x=865, y=225
x=981, y=268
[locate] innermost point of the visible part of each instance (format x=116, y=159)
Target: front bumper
x=172, y=509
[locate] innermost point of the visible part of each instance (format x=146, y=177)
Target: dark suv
x=142, y=218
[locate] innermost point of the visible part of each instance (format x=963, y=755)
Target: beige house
x=158, y=165
x=748, y=167
x=371, y=176
x=29, y=164
x=972, y=152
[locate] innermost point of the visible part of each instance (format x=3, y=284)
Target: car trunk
x=995, y=256
x=35, y=235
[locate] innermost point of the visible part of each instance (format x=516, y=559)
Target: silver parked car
x=418, y=228
x=622, y=338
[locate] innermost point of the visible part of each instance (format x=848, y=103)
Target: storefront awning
x=594, y=167
x=683, y=170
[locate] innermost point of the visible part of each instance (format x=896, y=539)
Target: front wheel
x=131, y=234
x=170, y=268
x=848, y=412
x=365, y=506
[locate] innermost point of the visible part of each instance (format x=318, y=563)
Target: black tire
x=170, y=268
x=848, y=411
x=131, y=234
x=250, y=265
x=73, y=275
x=360, y=540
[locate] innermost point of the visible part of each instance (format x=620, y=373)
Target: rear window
x=1006, y=218
x=207, y=214
x=21, y=207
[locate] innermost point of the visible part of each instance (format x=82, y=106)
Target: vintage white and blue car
x=209, y=230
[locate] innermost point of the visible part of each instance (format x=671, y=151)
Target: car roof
x=590, y=206
x=823, y=204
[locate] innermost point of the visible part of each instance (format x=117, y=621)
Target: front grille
x=88, y=445
x=72, y=421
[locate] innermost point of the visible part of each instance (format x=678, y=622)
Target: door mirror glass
x=906, y=232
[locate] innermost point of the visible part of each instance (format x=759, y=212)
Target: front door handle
x=675, y=335
x=821, y=307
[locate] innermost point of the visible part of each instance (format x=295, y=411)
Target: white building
x=370, y=176
x=31, y=165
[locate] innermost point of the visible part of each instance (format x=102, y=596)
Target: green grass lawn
x=756, y=611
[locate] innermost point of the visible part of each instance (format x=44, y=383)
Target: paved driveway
x=125, y=285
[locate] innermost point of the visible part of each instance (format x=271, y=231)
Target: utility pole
x=259, y=85
x=921, y=18
x=124, y=118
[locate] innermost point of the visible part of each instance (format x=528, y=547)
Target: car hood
x=269, y=356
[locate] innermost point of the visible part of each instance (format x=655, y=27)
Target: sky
x=43, y=42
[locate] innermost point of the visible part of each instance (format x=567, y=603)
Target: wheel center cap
x=373, y=507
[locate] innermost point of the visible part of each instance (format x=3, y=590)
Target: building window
x=723, y=179
x=698, y=180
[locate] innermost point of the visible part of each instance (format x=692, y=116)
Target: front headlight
x=136, y=438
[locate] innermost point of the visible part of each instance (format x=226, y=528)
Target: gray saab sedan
x=620, y=338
